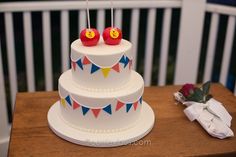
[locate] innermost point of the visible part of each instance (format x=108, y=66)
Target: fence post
x=189, y=43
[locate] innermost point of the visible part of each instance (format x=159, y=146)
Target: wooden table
x=172, y=135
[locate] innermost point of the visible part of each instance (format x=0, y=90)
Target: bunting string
x=68, y=101
x=83, y=61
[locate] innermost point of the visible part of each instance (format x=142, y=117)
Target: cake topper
x=112, y=35
x=89, y=36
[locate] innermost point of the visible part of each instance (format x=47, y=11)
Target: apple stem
x=112, y=21
x=88, y=17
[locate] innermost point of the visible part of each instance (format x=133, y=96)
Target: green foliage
x=206, y=87
x=200, y=95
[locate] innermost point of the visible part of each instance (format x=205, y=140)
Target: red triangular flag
x=75, y=105
x=119, y=105
x=130, y=64
x=73, y=65
x=116, y=67
x=135, y=105
x=96, y=112
x=86, y=61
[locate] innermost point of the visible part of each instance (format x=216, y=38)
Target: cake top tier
x=101, y=48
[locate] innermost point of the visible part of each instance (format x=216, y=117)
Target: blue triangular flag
x=85, y=110
x=107, y=109
x=79, y=63
x=94, y=68
x=123, y=59
x=128, y=107
x=141, y=100
x=68, y=100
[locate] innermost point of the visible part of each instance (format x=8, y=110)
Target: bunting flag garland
x=73, y=64
x=83, y=61
x=94, y=68
x=96, y=112
x=75, y=105
x=119, y=105
x=85, y=110
x=79, y=63
x=116, y=67
x=128, y=107
x=135, y=105
x=108, y=109
x=105, y=71
x=63, y=103
x=68, y=100
x=86, y=61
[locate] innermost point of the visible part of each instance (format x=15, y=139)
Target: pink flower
x=187, y=89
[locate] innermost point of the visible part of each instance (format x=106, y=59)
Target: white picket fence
x=188, y=49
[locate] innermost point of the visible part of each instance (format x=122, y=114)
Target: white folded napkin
x=212, y=116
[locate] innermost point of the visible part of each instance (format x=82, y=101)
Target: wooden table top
x=173, y=134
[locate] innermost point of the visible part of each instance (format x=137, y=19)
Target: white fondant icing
x=104, y=56
x=98, y=130
x=93, y=99
x=98, y=138
x=96, y=80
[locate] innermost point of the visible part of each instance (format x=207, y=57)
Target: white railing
x=80, y=5
x=187, y=53
x=221, y=9
x=216, y=10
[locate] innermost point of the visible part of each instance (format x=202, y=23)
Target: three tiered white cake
x=101, y=97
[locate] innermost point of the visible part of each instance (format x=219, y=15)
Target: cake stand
x=141, y=128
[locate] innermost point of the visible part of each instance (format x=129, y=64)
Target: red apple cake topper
x=112, y=35
x=89, y=36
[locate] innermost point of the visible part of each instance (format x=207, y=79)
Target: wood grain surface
x=173, y=134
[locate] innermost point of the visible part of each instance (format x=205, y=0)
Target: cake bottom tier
x=100, y=111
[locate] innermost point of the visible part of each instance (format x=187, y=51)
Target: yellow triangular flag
x=105, y=71
x=63, y=103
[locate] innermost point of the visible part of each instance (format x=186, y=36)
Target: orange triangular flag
x=119, y=105
x=135, y=105
x=96, y=112
x=75, y=105
x=73, y=65
x=86, y=61
x=116, y=67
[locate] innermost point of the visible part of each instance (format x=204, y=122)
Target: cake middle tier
x=100, y=111
x=101, y=66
